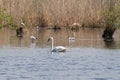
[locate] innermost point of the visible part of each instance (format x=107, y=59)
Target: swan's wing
x=59, y=49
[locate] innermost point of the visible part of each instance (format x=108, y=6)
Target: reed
x=61, y=13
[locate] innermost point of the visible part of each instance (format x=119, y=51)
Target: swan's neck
x=52, y=44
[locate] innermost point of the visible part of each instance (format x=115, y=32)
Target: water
x=91, y=38
x=75, y=64
x=87, y=58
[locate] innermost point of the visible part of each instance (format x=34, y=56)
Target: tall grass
x=61, y=13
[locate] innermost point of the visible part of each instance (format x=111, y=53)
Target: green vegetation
x=5, y=19
x=117, y=8
x=111, y=16
x=62, y=13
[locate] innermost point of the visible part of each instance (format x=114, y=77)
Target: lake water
x=86, y=58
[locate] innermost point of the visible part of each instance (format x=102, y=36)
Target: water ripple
x=40, y=65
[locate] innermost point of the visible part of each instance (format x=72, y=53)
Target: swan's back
x=59, y=49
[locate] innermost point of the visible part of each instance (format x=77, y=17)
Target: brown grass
x=61, y=13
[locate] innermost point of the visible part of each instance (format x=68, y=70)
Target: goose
x=57, y=48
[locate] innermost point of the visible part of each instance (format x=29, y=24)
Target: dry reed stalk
x=61, y=13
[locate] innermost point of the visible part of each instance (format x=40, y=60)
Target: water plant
x=5, y=18
x=62, y=13
x=111, y=17
x=117, y=14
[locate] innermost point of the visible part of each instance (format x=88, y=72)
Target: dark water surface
x=90, y=38
x=87, y=57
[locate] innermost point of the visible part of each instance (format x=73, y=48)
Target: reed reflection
x=83, y=38
x=109, y=43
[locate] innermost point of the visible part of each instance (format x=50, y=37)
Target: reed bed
x=59, y=13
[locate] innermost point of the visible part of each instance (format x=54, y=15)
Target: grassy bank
x=59, y=13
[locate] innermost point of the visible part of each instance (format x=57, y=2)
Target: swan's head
x=50, y=38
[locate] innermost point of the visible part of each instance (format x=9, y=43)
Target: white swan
x=57, y=48
x=33, y=38
x=71, y=38
x=22, y=24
